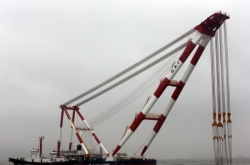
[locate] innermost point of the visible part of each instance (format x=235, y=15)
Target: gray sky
x=52, y=51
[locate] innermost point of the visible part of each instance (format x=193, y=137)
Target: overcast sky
x=52, y=51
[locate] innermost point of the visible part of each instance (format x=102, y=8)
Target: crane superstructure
x=203, y=33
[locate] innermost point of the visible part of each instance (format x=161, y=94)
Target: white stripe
x=151, y=138
x=106, y=152
x=86, y=123
x=149, y=105
x=100, y=143
x=73, y=125
x=187, y=73
x=94, y=137
x=168, y=107
x=61, y=134
x=197, y=37
x=178, y=64
x=205, y=40
x=129, y=132
x=175, y=68
x=85, y=149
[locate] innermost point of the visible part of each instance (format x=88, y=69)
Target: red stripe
x=159, y=123
x=79, y=137
x=178, y=90
x=116, y=150
x=190, y=47
x=197, y=55
x=137, y=121
x=78, y=112
x=161, y=87
x=58, y=148
x=61, y=123
x=98, y=141
x=67, y=113
x=73, y=116
x=144, y=150
x=70, y=145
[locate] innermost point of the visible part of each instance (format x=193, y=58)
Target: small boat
x=77, y=157
x=36, y=157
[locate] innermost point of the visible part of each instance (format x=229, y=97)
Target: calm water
x=199, y=161
x=244, y=161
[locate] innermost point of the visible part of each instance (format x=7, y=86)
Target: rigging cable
x=222, y=135
x=214, y=124
x=132, y=75
x=141, y=146
x=132, y=96
x=220, y=125
x=90, y=137
x=224, y=149
x=131, y=67
x=229, y=122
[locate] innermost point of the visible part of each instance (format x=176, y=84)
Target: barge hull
x=97, y=162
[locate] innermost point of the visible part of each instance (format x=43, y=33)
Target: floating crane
x=202, y=35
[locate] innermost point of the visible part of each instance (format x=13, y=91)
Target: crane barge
x=202, y=35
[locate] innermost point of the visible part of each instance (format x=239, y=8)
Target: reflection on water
x=244, y=161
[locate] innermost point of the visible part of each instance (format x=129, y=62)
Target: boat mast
x=60, y=138
x=41, y=144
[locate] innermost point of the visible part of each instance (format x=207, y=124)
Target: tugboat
x=80, y=159
x=77, y=157
x=36, y=157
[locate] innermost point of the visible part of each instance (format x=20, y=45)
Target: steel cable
x=229, y=128
x=227, y=68
x=130, y=97
x=223, y=85
x=222, y=72
x=133, y=95
x=223, y=144
x=132, y=75
x=218, y=74
x=214, y=125
x=213, y=75
x=131, y=67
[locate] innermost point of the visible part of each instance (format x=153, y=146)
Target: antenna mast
x=41, y=144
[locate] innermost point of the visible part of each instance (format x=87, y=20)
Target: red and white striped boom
x=203, y=34
x=76, y=109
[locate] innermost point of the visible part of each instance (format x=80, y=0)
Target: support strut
x=175, y=68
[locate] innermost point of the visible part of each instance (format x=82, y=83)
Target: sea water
x=242, y=161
